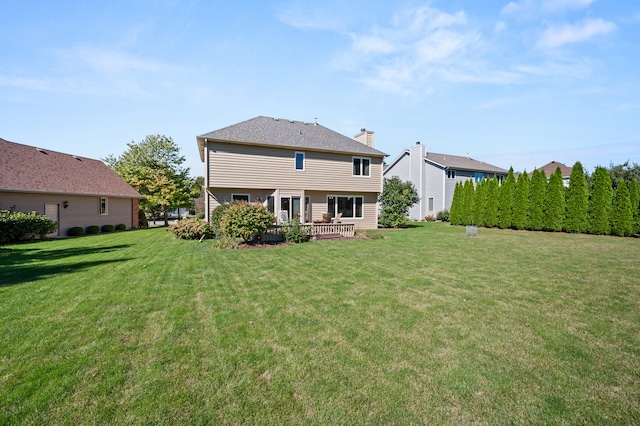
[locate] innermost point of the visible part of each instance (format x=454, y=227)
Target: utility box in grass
x=472, y=231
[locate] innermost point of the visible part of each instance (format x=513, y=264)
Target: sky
x=511, y=83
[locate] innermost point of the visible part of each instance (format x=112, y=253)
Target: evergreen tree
x=468, y=203
x=491, y=204
x=634, y=197
x=554, y=203
x=577, y=201
x=521, y=202
x=505, y=201
x=600, y=203
x=479, y=201
x=537, y=192
x=622, y=216
x=455, y=213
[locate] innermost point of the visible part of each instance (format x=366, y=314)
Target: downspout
x=444, y=188
x=206, y=182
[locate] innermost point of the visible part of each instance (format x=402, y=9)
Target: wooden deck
x=318, y=230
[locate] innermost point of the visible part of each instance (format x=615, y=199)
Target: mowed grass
x=425, y=326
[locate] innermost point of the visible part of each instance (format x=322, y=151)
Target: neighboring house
x=72, y=190
x=551, y=168
x=435, y=176
x=295, y=169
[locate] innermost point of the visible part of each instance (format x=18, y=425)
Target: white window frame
x=361, y=171
x=241, y=195
x=103, y=201
x=295, y=161
x=334, y=213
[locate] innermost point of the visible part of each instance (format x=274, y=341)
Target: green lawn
x=423, y=326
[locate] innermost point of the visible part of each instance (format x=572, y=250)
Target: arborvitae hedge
x=622, y=216
x=467, y=210
x=479, y=202
x=600, y=202
x=455, y=213
x=521, y=202
x=554, y=203
x=537, y=192
x=577, y=201
x=491, y=204
x=634, y=197
x=505, y=201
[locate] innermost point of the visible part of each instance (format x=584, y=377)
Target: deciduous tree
x=396, y=199
x=153, y=168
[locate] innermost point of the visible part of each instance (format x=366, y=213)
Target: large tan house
x=72, y=190
x=295, y=169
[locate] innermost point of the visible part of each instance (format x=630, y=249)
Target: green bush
x=443, y=215
x=121, y=227
x=16, y=225
x=226, y=243
x=294, y=233
x=244, y=220
x=92, y=230
x=217, y=215
x=76, y=231
x=396, y=199
x=191, y=229
x=108, y=228
x=430, y=218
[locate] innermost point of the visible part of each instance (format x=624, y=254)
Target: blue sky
x=517, y=83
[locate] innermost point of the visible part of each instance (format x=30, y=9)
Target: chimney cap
x=363, y=130
x=418, y=143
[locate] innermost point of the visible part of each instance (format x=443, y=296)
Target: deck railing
x=274, y=233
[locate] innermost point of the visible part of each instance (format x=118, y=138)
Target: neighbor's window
x=240, y=197
x=104, y=206
x=299, y=160
x=430, y=204
x=451, y=174
x=350, y=206
x=361, y=166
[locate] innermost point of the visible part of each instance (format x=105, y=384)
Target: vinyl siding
x=82, y=211
x=249, y=166
x=317, y=199
x=433, y=188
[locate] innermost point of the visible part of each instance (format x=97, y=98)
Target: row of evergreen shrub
x=77, y=231
x=539, y=204
x=15, y=226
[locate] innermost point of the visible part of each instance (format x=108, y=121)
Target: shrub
x=16, y=225
x=244, y=220
x=226, y=243
x=396, y=199
x=121, y=227
x=92, y=230
x=75, y=231
x=294, y=233
x=108, y=228
x=191, y=229
x=216, y=216
x=430, y=218
x=443, y=215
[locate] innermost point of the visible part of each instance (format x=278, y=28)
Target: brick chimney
x=365, y=136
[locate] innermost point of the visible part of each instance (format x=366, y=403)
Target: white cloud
x=558, y=36
x=558, y=5
x=528, y=7
x=372, y=44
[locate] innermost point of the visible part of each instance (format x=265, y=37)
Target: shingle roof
x=463, y=163
x=26, y=168
x=288, y=134
x=550, y=168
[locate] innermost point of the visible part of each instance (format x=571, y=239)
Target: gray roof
x=462, y=163
x=279, y=132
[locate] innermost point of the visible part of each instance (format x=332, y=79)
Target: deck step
x=332, y=236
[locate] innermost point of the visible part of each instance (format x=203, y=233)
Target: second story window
x=299, y=160
x=451, y=174
x=361, y=166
